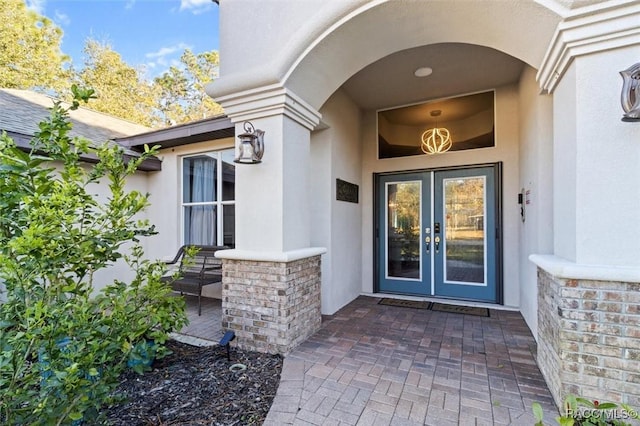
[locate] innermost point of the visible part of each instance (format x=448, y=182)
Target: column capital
x=268, y=101
x=566, y=269
x=592, y=29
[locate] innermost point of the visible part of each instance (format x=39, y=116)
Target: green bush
x=62, y=345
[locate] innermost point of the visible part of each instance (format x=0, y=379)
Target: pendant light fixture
x=436, y=140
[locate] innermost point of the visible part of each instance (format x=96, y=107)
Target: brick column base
x=589, y=338
x=271, y=306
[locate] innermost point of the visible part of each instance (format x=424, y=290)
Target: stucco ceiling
x=457, y=69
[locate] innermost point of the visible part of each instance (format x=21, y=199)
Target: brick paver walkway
x=373, y=364
x=207, y=326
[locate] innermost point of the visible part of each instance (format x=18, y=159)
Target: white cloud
x=162, y=61
x=163, y=52
x=129, y=4
x=165, y=57
x=195, y=6
x=61, y=19
x=36, y=5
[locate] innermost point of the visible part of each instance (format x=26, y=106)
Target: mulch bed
x=194, y=386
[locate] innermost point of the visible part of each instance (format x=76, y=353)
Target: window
x=469, y=119
x=208, y=198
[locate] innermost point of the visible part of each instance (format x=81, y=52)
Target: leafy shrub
x=62, y=348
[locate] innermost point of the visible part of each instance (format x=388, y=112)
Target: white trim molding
x=269, y=101
x=605, y=26
x=563, y=268
x=270, y=256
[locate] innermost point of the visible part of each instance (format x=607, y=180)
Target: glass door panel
x=464, y=207
x=403, y=229
x=465, y=213
x=403, y=210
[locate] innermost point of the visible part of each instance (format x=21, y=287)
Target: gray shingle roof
x=22, y=110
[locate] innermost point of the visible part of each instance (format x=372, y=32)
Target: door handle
x=436, y=240
x=427, y=240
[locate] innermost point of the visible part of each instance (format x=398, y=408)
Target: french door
x=437, y=233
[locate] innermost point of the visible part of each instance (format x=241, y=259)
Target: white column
x=596, y=167
x=273, y=197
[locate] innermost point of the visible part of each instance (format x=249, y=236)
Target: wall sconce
x=630, y=96
x=251, y=146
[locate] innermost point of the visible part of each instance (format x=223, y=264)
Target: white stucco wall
x=607, y=158
x=596, y=170
x=120, y=270
x=321, y=206
x=506, y=150
x=536, y=176
x=318, y=51
x=336, y=224
x=564, y=171
x=591, y=157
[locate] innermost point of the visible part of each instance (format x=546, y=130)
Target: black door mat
x=456, y=309
x=416, y=304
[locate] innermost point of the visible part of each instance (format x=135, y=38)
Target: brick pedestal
x=589, y=338
x=271, y=306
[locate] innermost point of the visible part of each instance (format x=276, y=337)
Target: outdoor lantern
x=630, y=96
x=251, y=145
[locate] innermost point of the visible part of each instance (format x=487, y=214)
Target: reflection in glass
x=228, y=175
x=469, y=120
x=229, y=225
x=403, y=229
x=464, y=229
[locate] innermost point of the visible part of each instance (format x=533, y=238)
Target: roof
x=22, y=110
x=207, y=129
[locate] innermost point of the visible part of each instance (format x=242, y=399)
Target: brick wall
x=589, y=338
x=271, y=306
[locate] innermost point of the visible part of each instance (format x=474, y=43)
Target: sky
x=147, y=33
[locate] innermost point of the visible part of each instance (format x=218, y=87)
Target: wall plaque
x=346, y=191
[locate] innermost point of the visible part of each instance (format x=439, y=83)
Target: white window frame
x=218, y=203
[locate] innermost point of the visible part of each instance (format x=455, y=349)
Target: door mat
x=455, y=309
x=416, y=304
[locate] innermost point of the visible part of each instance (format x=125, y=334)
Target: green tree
x=173, y=88
x=121, y=90
x=30, y=55
x=182, y=89
x=62, y=348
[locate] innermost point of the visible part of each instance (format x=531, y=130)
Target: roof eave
x=152, y=164
x=183, y=134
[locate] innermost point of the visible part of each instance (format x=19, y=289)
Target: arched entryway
x=568, y=160
x=316, y=95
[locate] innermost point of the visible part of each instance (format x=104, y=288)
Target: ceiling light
x=423, y=72
x=436, y=140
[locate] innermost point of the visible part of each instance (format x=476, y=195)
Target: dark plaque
x=346, y=191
